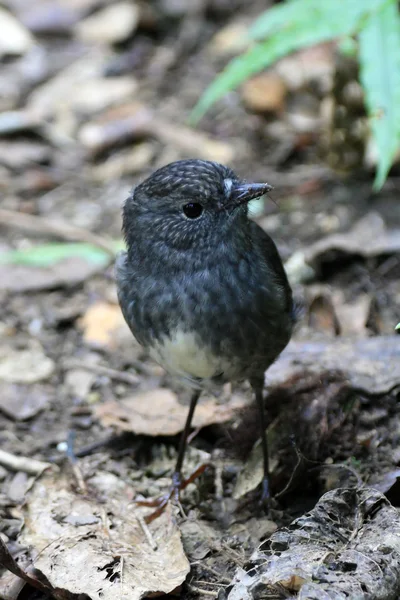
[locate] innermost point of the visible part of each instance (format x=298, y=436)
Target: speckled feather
x=207, y=297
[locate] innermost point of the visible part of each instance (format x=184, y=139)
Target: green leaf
x=50, y=254
x=311, y=15
x=290, y=26
x=379, y=55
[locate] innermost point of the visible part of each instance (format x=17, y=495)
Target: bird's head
x=187, y=203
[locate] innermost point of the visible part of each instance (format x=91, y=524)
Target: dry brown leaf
x=265, y=93
x=93, y=545
x=322, y=315
x=353, y=316
x=159, y=412
x=100, y=324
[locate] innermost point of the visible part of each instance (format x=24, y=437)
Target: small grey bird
x=201, y=286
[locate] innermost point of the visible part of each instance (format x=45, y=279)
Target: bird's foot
x=178, y=484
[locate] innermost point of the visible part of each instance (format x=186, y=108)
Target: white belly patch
x=183, y=355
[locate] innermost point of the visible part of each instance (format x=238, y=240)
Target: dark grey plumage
x=207, y=296
x=219, y=276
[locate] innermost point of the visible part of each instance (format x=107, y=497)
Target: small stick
x=152, y=543
x=122, y=376
x=197, y=590
x=7, y=561
x=59, y=229
x=22, y=463
x=74, y=464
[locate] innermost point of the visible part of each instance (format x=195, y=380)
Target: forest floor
x=90, y=103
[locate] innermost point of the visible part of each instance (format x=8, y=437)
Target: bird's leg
x=177, y=474
x=177, y=483
x=258, y=391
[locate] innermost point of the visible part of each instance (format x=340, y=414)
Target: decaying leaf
x=370, y=364
x=66, y=273
x=101, y=322
x=331, y=313
x=381, y=241
x=253, y=472
x=159, y=412
x=93, y=545
x=25, y=366
x=20, y=402
x=348, y=546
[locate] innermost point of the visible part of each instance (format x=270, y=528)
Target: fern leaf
x=379, y=55
x=290, y=26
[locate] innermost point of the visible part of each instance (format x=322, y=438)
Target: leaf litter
x=95, y=545
x=82, y=122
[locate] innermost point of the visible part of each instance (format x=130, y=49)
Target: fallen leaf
x=100, y=93
x=111, y=24
x=265, y=93
x=353, y=316
x=126, y=162
x=20, y=402
x=371, y=227
x=10, y=586
x=25, y=366
x=65, y=273
x=14, y=39
x=308, y=262
x=101, y=323
x=231, y=39
x=370, y=364
x=346, y=547
x=158, y=412
x=198, y=538
x=253, y=471
x=79, y=382
x=96, y=548
x=322, y=315
x=309, y=66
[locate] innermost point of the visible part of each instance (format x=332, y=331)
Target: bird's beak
x=245, y=192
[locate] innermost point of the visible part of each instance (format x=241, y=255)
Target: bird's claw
x=178, y=484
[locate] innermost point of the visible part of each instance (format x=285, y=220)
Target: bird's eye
x=193, y=210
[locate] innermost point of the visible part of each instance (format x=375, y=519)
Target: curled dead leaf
x=348, y=546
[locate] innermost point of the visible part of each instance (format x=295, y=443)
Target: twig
x=74, y=463
x=10, y=218
x=122, y=376
x=152, y=543
x=219, y=488
x=7, y=561
x=211, y=570
x=197, y=590
x=22, y=463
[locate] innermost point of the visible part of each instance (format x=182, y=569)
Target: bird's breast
x=183, y=354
